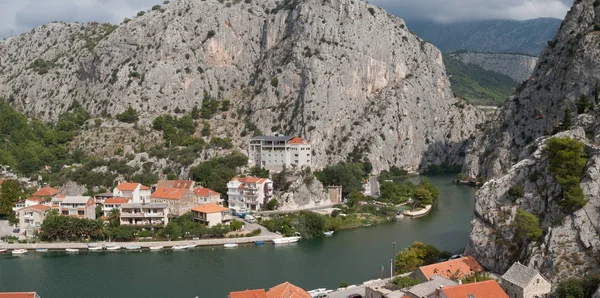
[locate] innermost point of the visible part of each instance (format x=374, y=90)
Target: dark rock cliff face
x=345, y=74
x=511, y=153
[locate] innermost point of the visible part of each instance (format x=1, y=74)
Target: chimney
x=460, y=282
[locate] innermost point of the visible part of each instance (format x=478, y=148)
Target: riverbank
x=143, y=244
x=418, y=213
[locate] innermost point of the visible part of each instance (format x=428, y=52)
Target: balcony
x=148, y=214
x=126, y=214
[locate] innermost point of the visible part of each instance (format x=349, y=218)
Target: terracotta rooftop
x=131, y=186
x=298, y=141
x=484, y=289
x=113, y=201
x=209, y=208
x=36, y=208
x=287, y=290
x=37, y=200
x=19, y=295
x=250, y=179
x=187, y=184
x=249, y=294
x=452, y=269
x=205, y=192
x=46, y=191
x=169, y=193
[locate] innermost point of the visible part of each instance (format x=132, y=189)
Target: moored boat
x=3, y=250
x=41, y=250
x=190, y=246
x=230, y=245
x=95, y=248
x=72, y=250
x=179, y=247
x=113, y=247
x=260, y=242
x=133, y=247
x=19, y=251
x=328, y=233
x=156, y=248
x=286, y=240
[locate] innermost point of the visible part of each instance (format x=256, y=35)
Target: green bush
x=516, y=191
x=405, y=282
x=417, y=255
x=567, y=162
x=41, y=66
x=129, y=116
x=156, y=7
x=527, y=226
x=571, y=288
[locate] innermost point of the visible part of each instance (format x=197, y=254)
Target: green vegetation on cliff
x=567, y=162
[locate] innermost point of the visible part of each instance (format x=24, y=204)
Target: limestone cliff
x=517, y=67
x=345, y=74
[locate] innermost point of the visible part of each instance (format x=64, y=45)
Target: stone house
x=488, y=288
x=521, y=281
x=185, y=184
x=207, y=196
x=451, y=269
x=178, y=200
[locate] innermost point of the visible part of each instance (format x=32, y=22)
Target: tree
x=527, y=226
x=236, y=225
x=272, y=205
x=567, y=120
x=129, y=116
x=114, y=218
x=422, y=197
x=414, y=256
x=405, y=282
x=355, y=197
x=173, y=230
x=571, y=288
x=476, y=277
x=99, y=211
x=10, y=191
x=567, y=162
x=344, y=284
x=349, y=176
x=516, y=191
x=257, y=171
x=311, y=225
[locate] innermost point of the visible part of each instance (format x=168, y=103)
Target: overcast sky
x=23, y=15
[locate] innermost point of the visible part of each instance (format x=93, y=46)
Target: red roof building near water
x=284, y=290
x=129, y=186
x=186, y=184
x=249, y=294
x=205, y=192
x=169, y=193
x=116, y=201
x=484, y=289
x=46, y=191
x=19, y=295
x=452, y=269
x=209, y=208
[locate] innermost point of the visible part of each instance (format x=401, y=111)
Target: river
x=354, y=256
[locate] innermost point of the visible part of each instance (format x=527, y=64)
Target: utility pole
x=391, y=268
x=393, y=256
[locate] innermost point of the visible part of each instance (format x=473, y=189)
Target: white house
x=29, y=202
x=137, y=192
x=521, y=281
x=211, y=214
x=207, y=195
x=249, y=193
x=275, y=152
x=32, y=217
x=78, y=206
x=144, y=215
x=111, y=204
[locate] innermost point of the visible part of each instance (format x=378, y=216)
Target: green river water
x=354, y=255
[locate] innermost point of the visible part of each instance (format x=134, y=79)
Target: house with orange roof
x=19, y=295
x=150, y=215
x=249, y=193
x=284, y=290
x=29, y=202
x=185, y=184
x=111, y=204
x=46, y=192
x=206, y=195
x=178, y=200
x=136, y=191
x=78, y=206
x=484, y=289
x=451, y=269
x=211, y=214
x=32, y=217
x=275, y=152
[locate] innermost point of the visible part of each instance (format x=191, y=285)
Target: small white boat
x=179, y=247
x=95, y=248
x=230, y=245
x=286, y=240
x=113, y=248
x=328, y=233
x=72, y=250
x=19, y=251
x=133, y=247
x=2, y=250
x=41, y=250
x=190, y=246
x=156, y=247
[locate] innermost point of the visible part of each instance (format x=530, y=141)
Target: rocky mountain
x=559, y=101
x=494, y=36
x=345, y=74
x=517, y=67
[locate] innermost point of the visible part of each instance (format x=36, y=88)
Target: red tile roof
x=36, y=208
x=169, y=193
x=287, y=290
x=187, y=184
x=484, y=289
x=113, y=201
x=250, y=179
x=249, y=294
x=452, y=269
x=18, y=295
x=209, y=208
x=205, y=192
x=298, y=141
x=127, y=186
x=46, y=191
x=37, y=200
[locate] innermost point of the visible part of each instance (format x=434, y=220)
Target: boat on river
x=41, y=250
x=328, y=233
x=95, y=248
x=72, y=250
x=113, y=248
x=190, y=246
x=19, y=251
x=230, y=245
x=2, y=250
x=154, y=248
x=286, y=240
x=179, y=247
x=133, y=247
x=260, y=242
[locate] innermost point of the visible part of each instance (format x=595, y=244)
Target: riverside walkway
x=143, y=244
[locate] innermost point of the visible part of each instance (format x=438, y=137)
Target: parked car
x=355, y=296
x=250, y=219
x=456, y=256
x=16, y=230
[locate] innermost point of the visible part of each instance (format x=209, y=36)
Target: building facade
x=32, y=217
x=521, y=281
x=137, y=192
x=78, y=206
x=275, y=152
x=178, y=200
x=111, y=204
x=207, y=196
x=212, y=214
x=249, y=193
x=451, y=269
x=144, y=215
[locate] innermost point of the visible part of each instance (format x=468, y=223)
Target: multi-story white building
x=249, y=193
x=137, y=192
x=275, y=152
x=111, y=204
x=78, y=206
x=147, y=215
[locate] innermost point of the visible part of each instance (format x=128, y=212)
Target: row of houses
x=444, y=280
x=138, y=205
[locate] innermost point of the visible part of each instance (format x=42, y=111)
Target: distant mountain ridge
x=494, y=36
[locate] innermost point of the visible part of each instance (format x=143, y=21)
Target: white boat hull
x=113, y=248
x=286, y=240
x=2, y=250
x=95, y=248
x=190, y=246
x=328, y=233
x=156, y=247
x=72, y=250
x=230, y=245
x=179, y=247
x=41, y=250
x=19, y=251
x=133, y=247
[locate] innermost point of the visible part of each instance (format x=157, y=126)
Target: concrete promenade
x=143, y=244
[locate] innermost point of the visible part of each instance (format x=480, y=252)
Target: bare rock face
x=566, y=73
x=303, y=192
x=517, y=67
x=345, y=74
